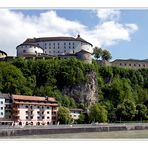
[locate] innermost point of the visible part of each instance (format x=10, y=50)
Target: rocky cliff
x=85, y=92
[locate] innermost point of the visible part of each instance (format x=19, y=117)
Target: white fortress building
x=53, y=46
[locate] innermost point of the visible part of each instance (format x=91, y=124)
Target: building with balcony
x=33, y=110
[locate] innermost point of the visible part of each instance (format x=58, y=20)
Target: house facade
x=27, y=110
x=130, y=63
x=33, y=110
x=75, y=113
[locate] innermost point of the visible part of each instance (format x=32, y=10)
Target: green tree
x=97, y=52
x=106, y=55
x=141, y=112
x=97, y=113
x=64, y=115
x=81, y=118
x=126, y=111
x=13, y=80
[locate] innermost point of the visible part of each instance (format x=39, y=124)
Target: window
x=120, y=64
x=69, y=43
x=26, y=117
x=129, y=64
x=47, y=107
x=64, y=47
x=73, y=47
x=47, y=112
x=31, y=107
x=64, y=50
x=69, y=47
x=1, y=113
x=49, y=44
x=64, y=43
x=26, y=112
x=2, y=108
x=125, y=64
x=58, y=44
x=38, y=117
x=1, y=102
x=73, y=51
x=134, y=64
x=31, y=117
x=42, y=112
x=49, y=47
x=38, y=112
x=45, y=44
x=43, y=117
x=24, y=51
x=144, y=65
x=48, y=117
x=54, y=44
x=58, y=51
x=139, y=65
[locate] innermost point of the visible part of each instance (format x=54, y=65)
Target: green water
x=141, y=134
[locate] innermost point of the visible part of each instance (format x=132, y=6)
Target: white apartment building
x=2, y=106
x=33, y=110
x=53, y=46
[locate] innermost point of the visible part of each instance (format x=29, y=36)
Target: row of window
x=59, y=47
x=139, y=65
x=31, y=123
x=37, y=112
x=39, y=107
x=58, y=44
x=31, y=117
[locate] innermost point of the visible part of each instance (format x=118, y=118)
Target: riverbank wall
x=43, y=131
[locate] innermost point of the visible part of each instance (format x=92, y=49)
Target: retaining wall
x=23, y=132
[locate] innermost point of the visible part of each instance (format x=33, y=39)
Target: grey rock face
x=84, y=92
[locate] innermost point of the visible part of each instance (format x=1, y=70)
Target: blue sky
x=123, y=32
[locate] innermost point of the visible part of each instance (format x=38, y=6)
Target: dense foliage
x=123, y=93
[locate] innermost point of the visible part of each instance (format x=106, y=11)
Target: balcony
x=16, y=112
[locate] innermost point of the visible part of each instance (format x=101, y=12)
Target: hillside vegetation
x=122, y=93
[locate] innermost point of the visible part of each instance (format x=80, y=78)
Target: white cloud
x=16, y=27
x=108, y=14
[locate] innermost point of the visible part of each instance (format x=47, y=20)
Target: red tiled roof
x=32, y=98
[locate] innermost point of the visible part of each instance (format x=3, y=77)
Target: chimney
x=78, y=36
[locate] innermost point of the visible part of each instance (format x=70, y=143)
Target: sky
x=121, y=31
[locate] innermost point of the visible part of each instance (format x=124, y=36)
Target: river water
x=139, y=134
